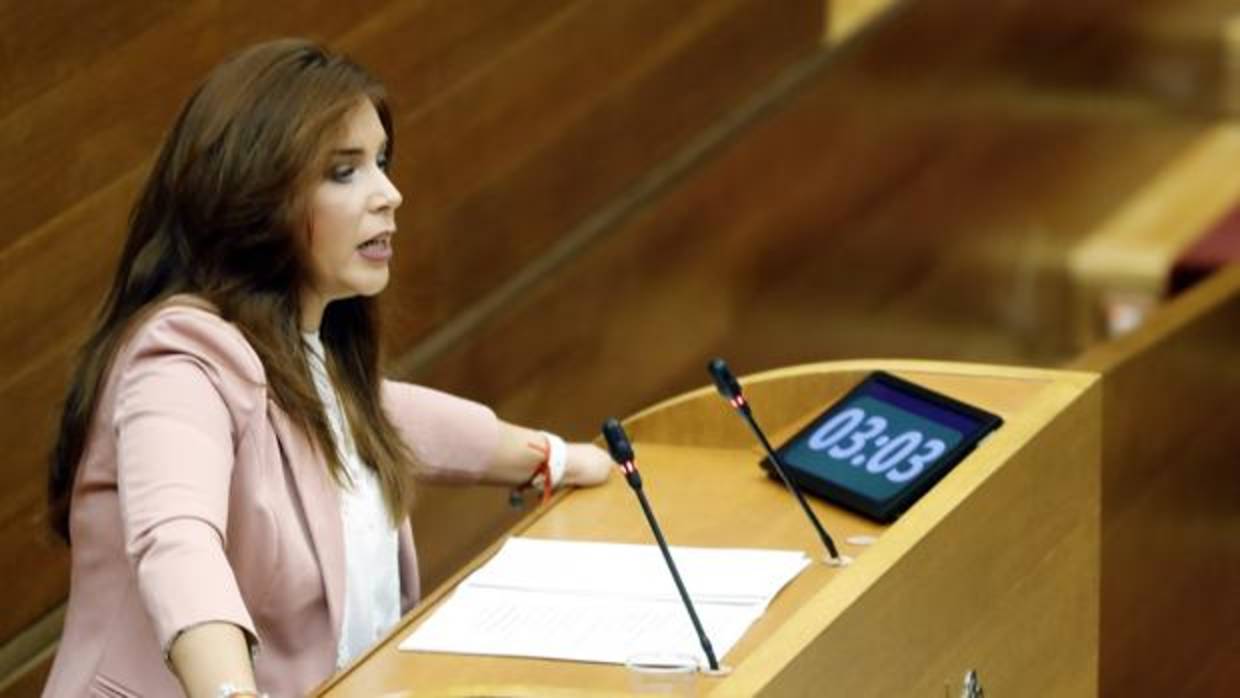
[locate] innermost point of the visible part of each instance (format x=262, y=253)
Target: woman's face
x=352, y=219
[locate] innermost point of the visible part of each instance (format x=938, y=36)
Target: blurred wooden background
x=602, y=194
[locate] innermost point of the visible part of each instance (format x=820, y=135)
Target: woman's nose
x=387, y=196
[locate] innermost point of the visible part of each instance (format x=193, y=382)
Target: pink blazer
x=198, y=500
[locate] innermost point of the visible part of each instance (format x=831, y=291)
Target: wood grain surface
x=1170, y=560
x=943, y=588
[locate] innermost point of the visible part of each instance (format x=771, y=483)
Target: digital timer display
x=883, y=445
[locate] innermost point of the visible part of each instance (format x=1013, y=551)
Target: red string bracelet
x=543, y=471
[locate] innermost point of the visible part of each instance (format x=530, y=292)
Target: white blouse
x=372, y=577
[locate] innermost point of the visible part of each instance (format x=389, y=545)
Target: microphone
x=730, y=389
x=622, y=453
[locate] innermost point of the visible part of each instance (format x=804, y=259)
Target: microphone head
x=617, y=441
x=725, y=382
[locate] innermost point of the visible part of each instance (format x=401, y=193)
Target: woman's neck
x=312, y=308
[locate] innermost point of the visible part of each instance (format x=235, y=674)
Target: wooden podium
x=996, y=569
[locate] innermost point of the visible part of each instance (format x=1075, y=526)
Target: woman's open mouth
x=377, y=249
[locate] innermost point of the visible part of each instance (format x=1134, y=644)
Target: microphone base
x=722, y=671
x=841, y=561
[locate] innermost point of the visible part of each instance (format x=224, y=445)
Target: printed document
x=604, y=602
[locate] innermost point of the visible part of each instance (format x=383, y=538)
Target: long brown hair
x=219, y=217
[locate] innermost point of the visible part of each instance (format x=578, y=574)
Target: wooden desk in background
x=996, y=569
x=1122, y=271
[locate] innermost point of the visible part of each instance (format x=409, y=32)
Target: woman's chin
x=372, y=286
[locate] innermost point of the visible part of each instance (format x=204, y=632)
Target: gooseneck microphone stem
x=730, y=389
x=680, y=586
x=747, y=415
x=622, y=453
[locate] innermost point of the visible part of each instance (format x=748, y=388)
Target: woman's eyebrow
x=356, y=151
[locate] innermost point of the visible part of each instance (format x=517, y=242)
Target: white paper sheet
x=604, y=602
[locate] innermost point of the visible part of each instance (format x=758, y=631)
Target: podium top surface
x=699, y=464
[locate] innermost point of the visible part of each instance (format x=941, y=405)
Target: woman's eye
x=384, y=162
x=342, y=173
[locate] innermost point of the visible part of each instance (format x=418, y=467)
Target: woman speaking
x=232, y=472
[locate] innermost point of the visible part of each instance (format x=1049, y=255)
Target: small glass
x=666, y=673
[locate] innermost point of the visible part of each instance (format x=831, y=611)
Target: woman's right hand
x=586, y=465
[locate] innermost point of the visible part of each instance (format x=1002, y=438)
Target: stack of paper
x=604, y=602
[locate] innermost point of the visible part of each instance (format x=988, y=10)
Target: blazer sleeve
x=187, y=388
x=452, y=439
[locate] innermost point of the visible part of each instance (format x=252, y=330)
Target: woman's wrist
x=557, y=458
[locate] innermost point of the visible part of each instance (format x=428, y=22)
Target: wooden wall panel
x=833, y=229
x=47, y=43
x=1170, y=558
x=862, y=220
x=1173, y=51
x=1182, y=53
x=425, y=51
x=491, y=189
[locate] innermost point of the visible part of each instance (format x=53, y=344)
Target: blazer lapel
x=320, y=501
